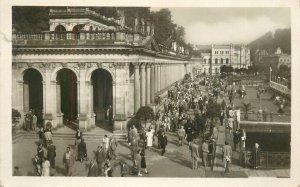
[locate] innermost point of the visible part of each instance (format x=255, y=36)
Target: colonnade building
x=87, y=63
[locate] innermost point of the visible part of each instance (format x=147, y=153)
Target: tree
x=30, y=19
x=226, y=69
x=15, y=116
x=134, y=122
x=145, y=113
x=246, y=108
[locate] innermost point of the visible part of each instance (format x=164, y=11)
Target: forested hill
x=270, y=42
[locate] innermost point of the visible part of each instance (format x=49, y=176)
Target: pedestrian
x=42, y=139
x=236, y=140
x=205, y=152
x=27, y=121
x=113, y=147
x=100, y=158
x=143, y=161
x=227, y=153
x=93, y=169
x=48, y=134
x=45, y=168
x=149, y=136
x=34, y=122
x=163, y=143
x=194, y=154
x=51, y=154
x=181, y=135
x=222, y=115
x=82, y=151
x=40, y=151
x=107, y=169
x=68, y=161
x=105, y=142
x=255, y=156
x=243, y=140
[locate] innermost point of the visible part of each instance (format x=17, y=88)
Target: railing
x=268, y=117
x=85, y=37
x=268, y=159
x=281, y=87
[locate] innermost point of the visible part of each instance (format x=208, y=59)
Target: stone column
x=143, y=85
x=59, y=114
x=91, y=105
x=82, y=98
x=152, y=84
x=148, y=68
x=136, y=88
x=120, y=114
x=50, y=106
x=158, y=77
x=25, y=97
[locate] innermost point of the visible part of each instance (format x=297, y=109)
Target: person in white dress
x=45, y=168
x=149, y=136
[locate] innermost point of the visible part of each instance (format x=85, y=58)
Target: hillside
x=269, y=42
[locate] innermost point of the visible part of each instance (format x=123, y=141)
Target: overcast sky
x=229, y=25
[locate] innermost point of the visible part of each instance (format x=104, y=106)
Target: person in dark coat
x=82, y=152
x=143, y=161
x=51, y=154
x=236, y=140
x=100, y=158
x=93, y=169
x=163, y=143
x=40, y=152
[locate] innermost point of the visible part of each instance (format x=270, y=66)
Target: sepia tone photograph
x=201, y=92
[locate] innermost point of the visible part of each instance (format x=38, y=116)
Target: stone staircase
x=69, y=134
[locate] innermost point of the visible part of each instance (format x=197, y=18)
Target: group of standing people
x=30, y=122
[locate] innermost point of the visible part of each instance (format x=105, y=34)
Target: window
x=221, y=60
x=216, y=61
x=216, y=70
x=205, y=61
x=204, y=70
x=227, y=60
x=209, y=60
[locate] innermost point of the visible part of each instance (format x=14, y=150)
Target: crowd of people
x=185, y=111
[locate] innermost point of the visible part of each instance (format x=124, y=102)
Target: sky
x=206, y=26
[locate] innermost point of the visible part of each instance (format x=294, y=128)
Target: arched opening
x=33, y=93
x=76, y=31
x=67, y=85
x=60, y=32
x=221, y=60
x=227, y=60
x=102, y=97
x=216, y=61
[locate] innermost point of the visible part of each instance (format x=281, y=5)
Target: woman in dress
x=149, y=136
x=45, y=168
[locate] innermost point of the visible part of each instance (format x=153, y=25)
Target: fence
x=268, y=160
x=268, y=117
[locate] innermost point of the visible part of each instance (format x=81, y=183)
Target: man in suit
x=205, y=152
x=163, y=143
x=100, y=158
x=68, y=161
x=82, y=151
x=227, y=153
x=51, y=154
x=194, y=154
x=113, y=147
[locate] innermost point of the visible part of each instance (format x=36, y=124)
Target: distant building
x=272, y=59
x=211, y=58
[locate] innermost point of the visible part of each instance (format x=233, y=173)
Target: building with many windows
x=211, y=58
